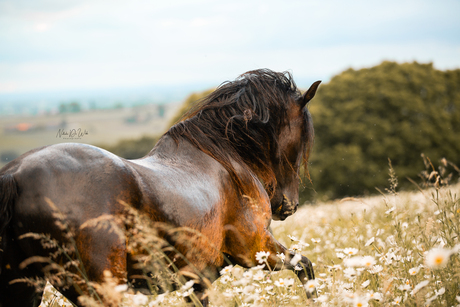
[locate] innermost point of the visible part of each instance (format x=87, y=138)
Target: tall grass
x=400, y=248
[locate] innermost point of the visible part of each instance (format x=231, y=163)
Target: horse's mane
x=241, y=121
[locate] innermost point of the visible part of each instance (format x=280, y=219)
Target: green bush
x=397, y=111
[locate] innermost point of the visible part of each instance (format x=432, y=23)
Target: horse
x=229, y=167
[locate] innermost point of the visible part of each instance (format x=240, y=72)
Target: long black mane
x=241, y=121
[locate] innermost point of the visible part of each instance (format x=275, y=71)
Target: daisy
x=259, y=275
x=397, y=300
x=315, y=240
x=225, y=279
x=350, y=251
x=369, y=242
x=376, y=269
x=414, y=271
x=281, y=282
x=349, y=272
x=437, y=257
x=374, y=296
x=226, y=270
x=368, y=261
x=310, y=285
x=281, y=256
x=359, y=301
x=262, y=256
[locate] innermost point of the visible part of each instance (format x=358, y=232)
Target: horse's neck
x=184, y=152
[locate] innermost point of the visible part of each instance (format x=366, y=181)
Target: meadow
x=397, y=248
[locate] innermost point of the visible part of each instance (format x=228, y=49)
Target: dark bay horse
x=226, y=170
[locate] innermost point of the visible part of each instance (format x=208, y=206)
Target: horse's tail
x=8, y=195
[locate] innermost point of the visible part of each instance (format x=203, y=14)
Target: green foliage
x=397, y=111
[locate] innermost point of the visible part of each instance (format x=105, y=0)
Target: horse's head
x=294, y=144
x=260, y=123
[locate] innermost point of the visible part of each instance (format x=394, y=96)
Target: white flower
x=159, y=299
x=121, y=288
x=353, y=262
x=247, y=274
x=374, y=296
x=437, y=257
x=259, y=275
x=296, y=247
x=281, y=256
x=414, y=271
x=284, y=282
x=268, y=288
x=397, y=300
x=440, y=291
x=404, y=287
x=350, y=251
x=248, y=290
x=315, y=240
x=376, y=269
x=390, y=210
x=293, y=238
x=368, y=261
x=140, y=299
x=341, y=255
x=321, y=299
x=298, y=268
x=419, y=286
x=310, y=285
x=359, y=301
x=187, y=293
x=366, y=283
x=295, y=259
x=349, y=272
x=225, y=279
x=262, y=256
x=289, y=282
x=187, y=285
x=226, y=270
x=369, y=242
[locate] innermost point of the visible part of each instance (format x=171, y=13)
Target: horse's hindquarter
x=79, y=183
x=82, y=182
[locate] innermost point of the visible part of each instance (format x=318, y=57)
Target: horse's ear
x=310, y=93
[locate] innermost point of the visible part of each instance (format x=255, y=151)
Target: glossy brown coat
x=226, y=170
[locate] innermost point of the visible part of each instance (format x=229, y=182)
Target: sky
x=55, y=45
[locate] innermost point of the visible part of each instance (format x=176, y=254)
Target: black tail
x=8, y=195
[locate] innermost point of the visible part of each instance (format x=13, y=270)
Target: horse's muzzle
x=286, y=209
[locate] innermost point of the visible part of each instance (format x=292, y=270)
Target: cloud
x=53, y=44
